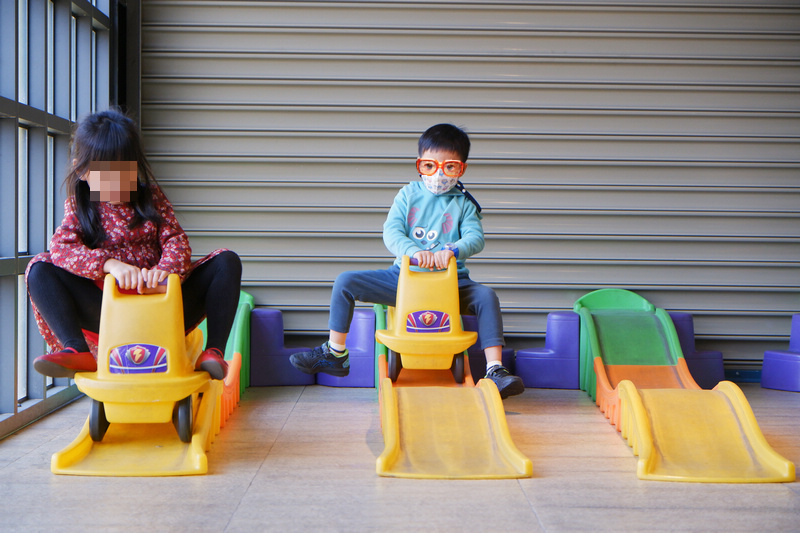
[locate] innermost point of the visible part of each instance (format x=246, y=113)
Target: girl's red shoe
x=212, y=361
x=64, y=364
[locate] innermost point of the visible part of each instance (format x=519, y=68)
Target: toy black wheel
x=393, y=365
x=182, y=418
x=98, y=423
x=457, y=368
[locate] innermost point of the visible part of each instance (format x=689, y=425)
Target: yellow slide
x=447, y=433
x=152, y=414
x=436, y=422
x=633, y=367
x=701, y=436
x=145, y=449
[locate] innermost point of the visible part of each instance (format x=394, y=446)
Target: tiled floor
x=303, y=459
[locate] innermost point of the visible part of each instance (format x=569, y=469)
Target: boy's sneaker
x=507, y=383
x=321, y=359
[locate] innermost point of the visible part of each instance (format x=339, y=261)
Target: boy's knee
x=487, y=294
x=345, y=279
x=494, y=297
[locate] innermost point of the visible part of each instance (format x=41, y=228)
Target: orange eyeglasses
x=450, y=168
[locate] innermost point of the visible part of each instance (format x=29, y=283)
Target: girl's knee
x=231, y=261
x=228, y=263
x=39, y=271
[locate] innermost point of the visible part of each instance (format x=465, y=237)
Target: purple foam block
x=706, y=366
x=563, y=334
x=361, y=345
x=781, y=369
x=794, y=335
x=541, y=370
x=269, y=358
x=557, y=365
x=684, y=326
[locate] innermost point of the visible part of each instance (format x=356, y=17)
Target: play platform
x=632, y=365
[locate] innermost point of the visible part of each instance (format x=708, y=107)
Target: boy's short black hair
x=445, y=137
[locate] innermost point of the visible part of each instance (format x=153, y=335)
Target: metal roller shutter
x=640, y=145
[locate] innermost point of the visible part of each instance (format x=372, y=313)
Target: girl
x=118, y=221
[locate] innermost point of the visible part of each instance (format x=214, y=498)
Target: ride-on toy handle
x=143, y=319
x=424, y=327
x=161, y=288
x=413, y=261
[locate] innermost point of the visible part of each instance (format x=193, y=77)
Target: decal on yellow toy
x=428, y=322
x=137, y=359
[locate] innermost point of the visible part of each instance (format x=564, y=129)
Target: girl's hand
x=127, y=276
x=150, y=280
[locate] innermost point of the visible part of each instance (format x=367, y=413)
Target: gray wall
x=646, y=146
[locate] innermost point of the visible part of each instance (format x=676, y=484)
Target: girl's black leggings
x=69, y=303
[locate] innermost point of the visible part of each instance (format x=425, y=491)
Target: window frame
x=40, y=98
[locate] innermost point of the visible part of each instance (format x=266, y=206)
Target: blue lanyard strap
x=460, y=187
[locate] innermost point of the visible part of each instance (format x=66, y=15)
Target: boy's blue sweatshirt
x=420, y=220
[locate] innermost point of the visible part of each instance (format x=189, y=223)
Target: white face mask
x=438, y=183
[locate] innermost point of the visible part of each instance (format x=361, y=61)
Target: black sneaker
x=321, y=359
x=507, y=383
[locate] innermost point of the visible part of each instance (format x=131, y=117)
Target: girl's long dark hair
x=108, y=136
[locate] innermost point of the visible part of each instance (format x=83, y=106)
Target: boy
x=430, y=220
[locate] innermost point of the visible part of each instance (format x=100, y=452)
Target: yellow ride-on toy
x=144, y=368
x=145, y=383
x=424, y=328
x=434, y=426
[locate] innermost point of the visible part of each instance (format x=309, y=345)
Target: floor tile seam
x=286, y=419
x=531, y=505
x=257, y=471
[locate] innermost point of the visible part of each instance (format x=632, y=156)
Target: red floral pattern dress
x=164, y=246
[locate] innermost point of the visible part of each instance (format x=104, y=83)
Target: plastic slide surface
x=434, y=428
x=144, y=449
x=632, y=365
x=707, y=436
